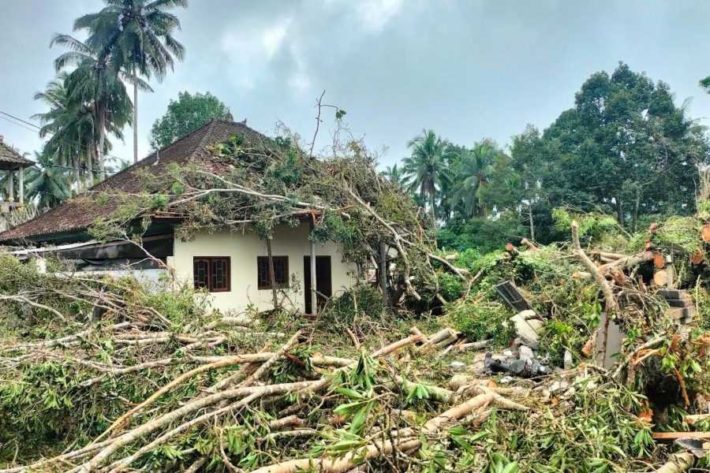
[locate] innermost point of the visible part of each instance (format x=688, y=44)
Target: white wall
x=243, y=249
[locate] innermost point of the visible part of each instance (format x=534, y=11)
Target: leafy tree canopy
x=186, y=114
x=625, y=148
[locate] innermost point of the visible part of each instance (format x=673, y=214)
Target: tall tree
x=426, y=167
x=95, y=83
x=138, y=36
x=530, y=162
x=186, y=114
x=68, y=125
x=625, y=148
x=471, y=172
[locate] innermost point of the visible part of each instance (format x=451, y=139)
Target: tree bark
x=532, y=223
x=135, y=117
x=102, y=142
x=383, y=272
x=637, y=205
x=272, y=274
x=620, y=211
x=678, y=463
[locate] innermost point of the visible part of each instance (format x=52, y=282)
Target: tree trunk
x=102, y=142
x=77, y=173
x=637, y=205
x=432, y=206
x=135, y=117
x=383, y=272
x=620, y=211
x=90, y=167
x=272, y=274
x=532, y=223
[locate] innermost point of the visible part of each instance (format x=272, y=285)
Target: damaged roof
x=10, y=159
x=77, y=214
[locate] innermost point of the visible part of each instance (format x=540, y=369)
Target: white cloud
x=299, y=81
x=251, y=47
x=273, y=36
x=375, y=14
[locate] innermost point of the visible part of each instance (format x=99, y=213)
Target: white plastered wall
x=243, y=248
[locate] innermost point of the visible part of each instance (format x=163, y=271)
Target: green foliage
x=482, y=320
x=47, y=185
x=360, y=301
x=595, y=431
x=450, y=286
x=679, y=234
x=484, y=234
x=186, y=114
x=426, y=167
x=592, y=225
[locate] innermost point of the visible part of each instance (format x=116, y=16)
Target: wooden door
x=324, y=281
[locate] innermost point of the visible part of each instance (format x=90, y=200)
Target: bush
x=362, y=300
x=482, y=233
x=482, y=320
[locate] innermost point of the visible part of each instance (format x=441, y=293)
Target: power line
x=19, y=119
x=18, y=124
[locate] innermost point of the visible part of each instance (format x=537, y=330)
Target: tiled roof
x=11, y=159
x=80, y=212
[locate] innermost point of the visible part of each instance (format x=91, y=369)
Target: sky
x=468, y=69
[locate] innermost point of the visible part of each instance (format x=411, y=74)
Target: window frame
x=267, y=285
x=210, y=262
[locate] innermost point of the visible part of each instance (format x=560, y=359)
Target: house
x=233, y=266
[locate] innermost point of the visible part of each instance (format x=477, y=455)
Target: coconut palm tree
x=473, y=169
x=69, y=126
x=47, y=183
x=97, y=84
x=395, y=175
x=138, y=36
x=426, y=167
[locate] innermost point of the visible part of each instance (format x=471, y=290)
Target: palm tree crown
x=94, y=83
x=473, y=168
x=138, y=37
x=426, y=167
x=47, y=183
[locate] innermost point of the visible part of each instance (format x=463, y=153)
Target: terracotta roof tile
x=80, y=212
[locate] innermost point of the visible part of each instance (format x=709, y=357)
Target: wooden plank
x=670, y=436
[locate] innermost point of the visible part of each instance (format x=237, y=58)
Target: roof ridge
x=201, y=145
x=154, y=153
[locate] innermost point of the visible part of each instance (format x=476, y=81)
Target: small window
x=211, y=273
x=280, y=272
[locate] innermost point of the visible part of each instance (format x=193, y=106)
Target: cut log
x=693, y=418
x=678, y=463
x=612, y=307
x=705, y=233
x=670, y=436
x=659, y=261
x=661, y=277
x=698, y=257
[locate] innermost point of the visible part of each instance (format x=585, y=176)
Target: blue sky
x=468, y=69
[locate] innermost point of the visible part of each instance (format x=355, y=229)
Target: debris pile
x=104, y=376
